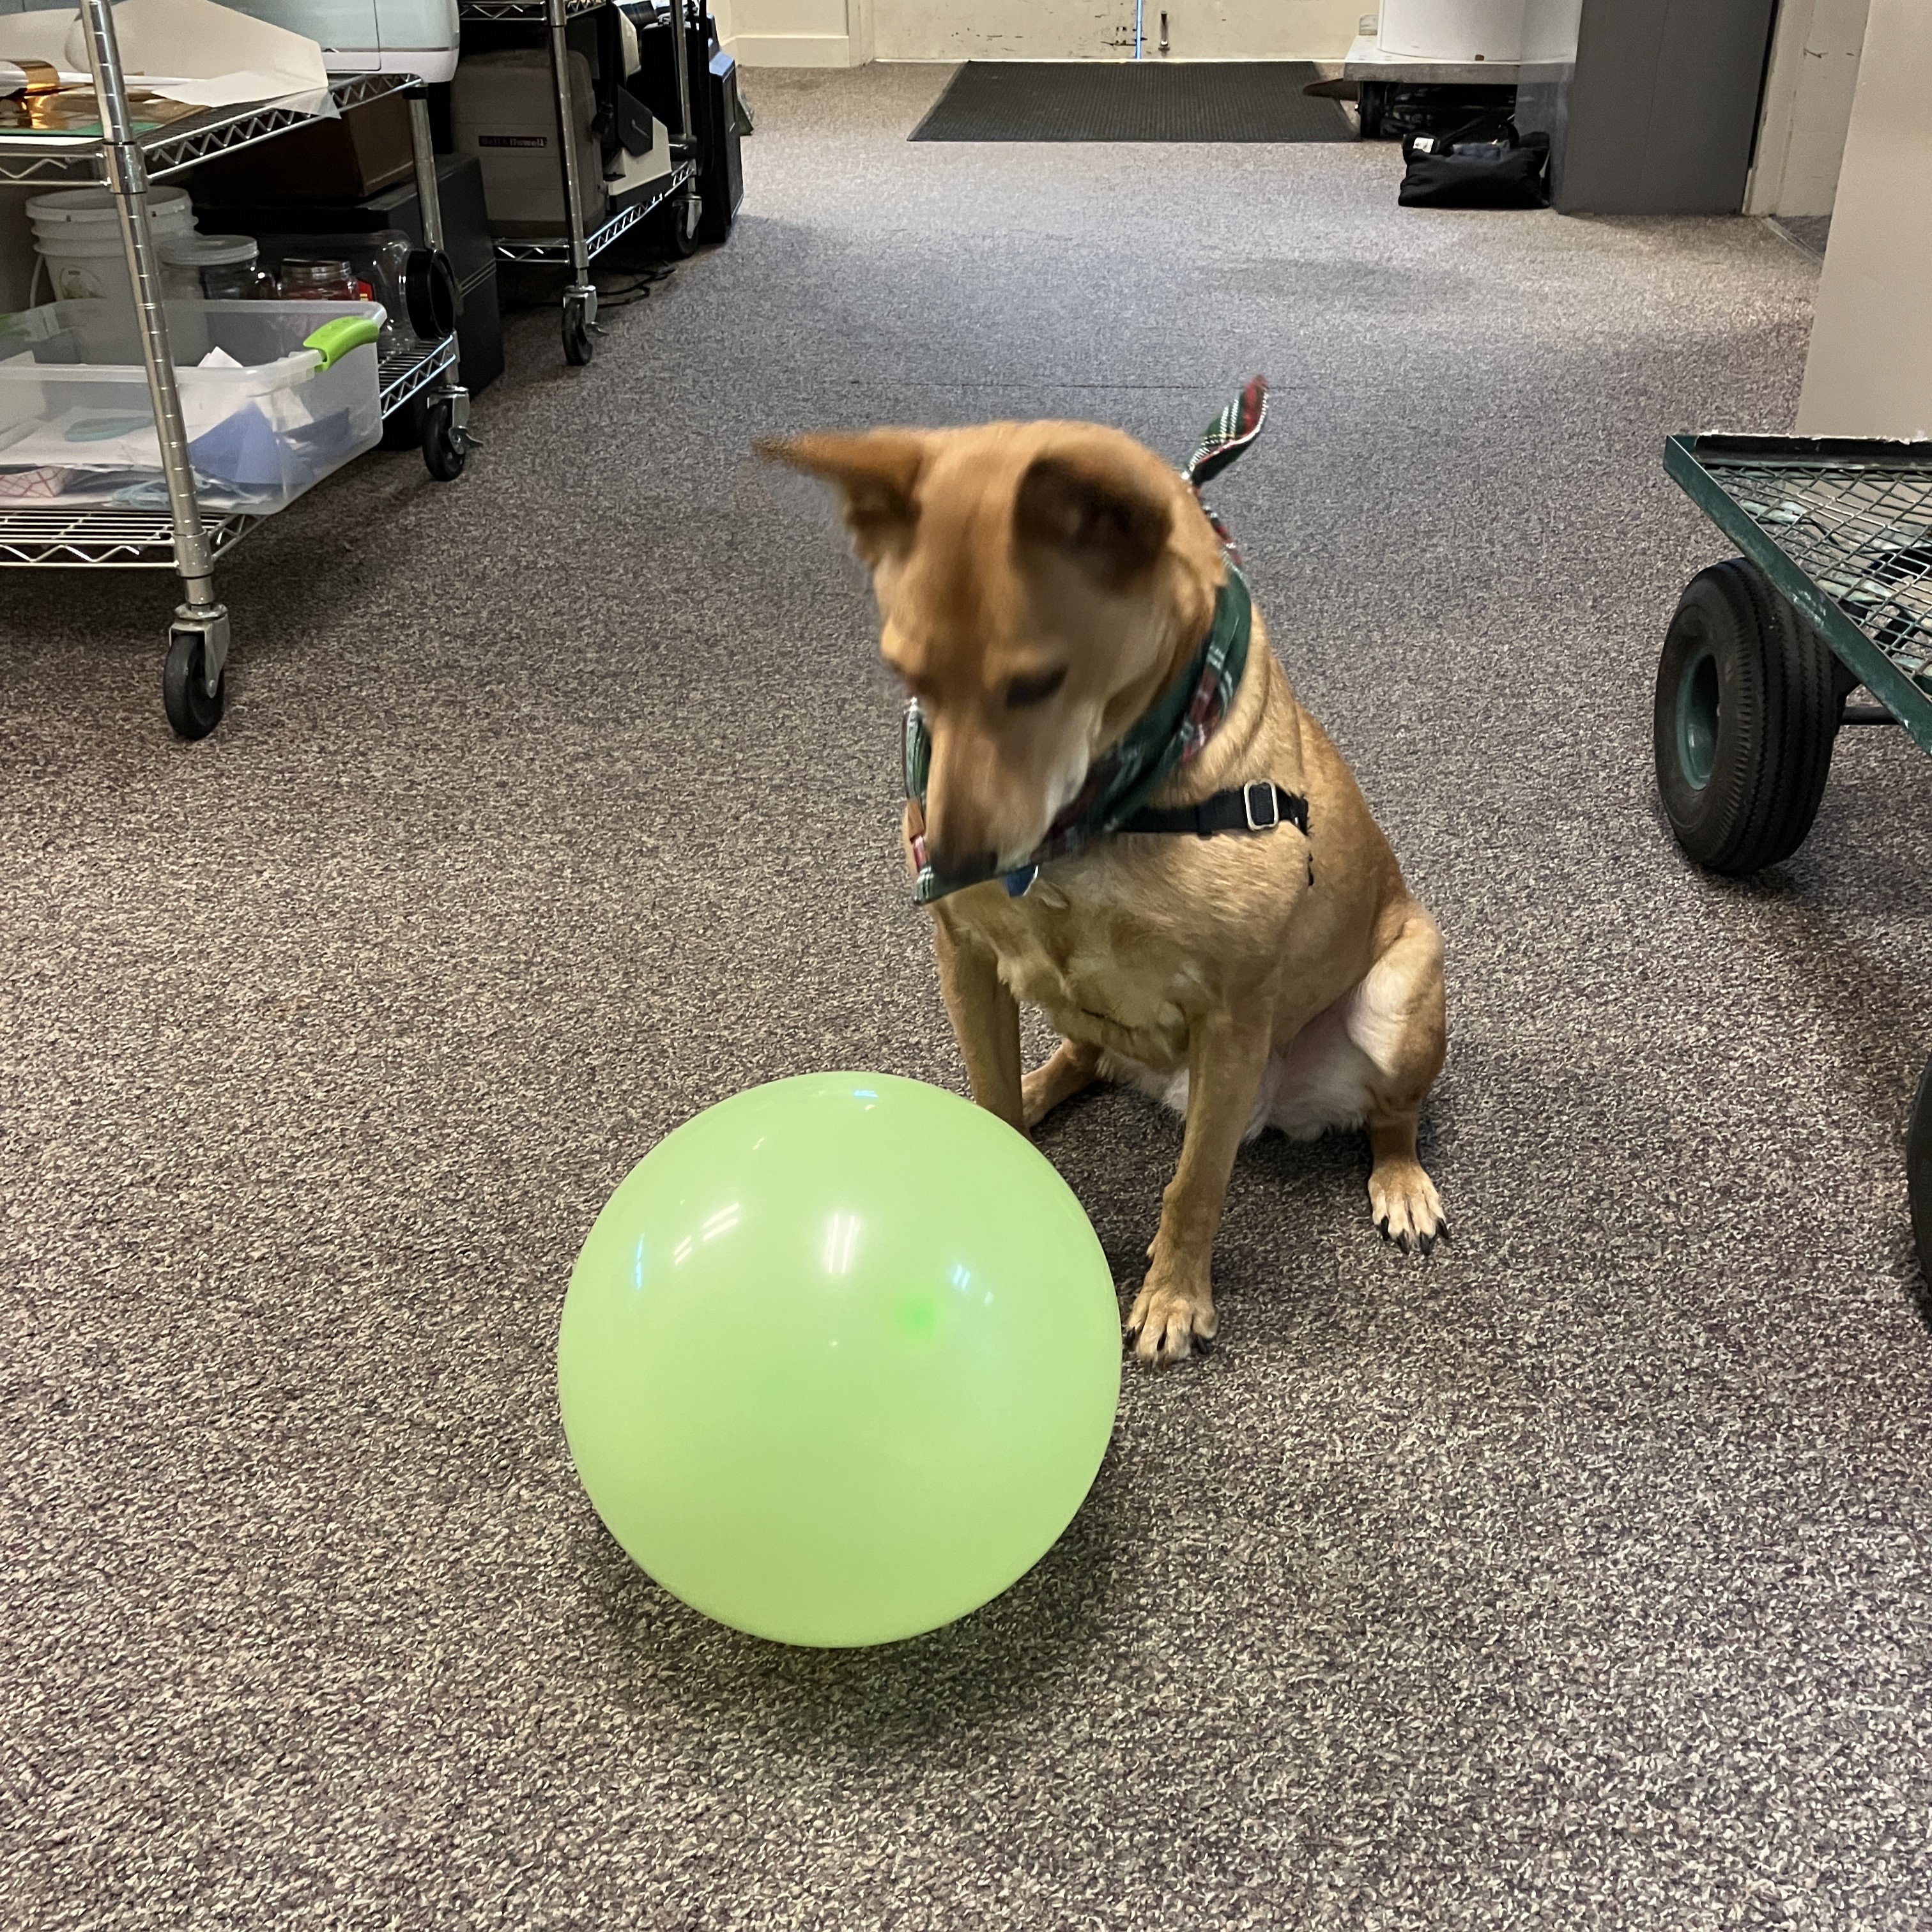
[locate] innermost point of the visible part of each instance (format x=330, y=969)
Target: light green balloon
x=840, y=1359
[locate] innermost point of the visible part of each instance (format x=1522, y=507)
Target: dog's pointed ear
x=875, y=474
x=1095, y=510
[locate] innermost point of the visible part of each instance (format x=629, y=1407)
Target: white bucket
x=1453, y=30
x=77, y=235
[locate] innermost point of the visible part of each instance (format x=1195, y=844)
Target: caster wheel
x=1748, y=698
x=1370, y=99
x=446, y=448
x=192, y=710
x=578, y=346
x=1918, y=1171
x=681, y=222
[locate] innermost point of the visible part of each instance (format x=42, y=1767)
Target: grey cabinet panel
x=1655, y=112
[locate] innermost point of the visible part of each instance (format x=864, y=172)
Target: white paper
x=40, y=35
x=74, y=439
x=191, y=51
x=198, y=41
x=231, y=90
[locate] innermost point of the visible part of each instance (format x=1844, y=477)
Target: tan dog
x=1042, y=586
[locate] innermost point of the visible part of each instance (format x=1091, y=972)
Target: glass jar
x=322, y=278
x=214, y=268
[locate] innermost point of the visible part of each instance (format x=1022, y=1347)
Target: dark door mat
x=1133, y=100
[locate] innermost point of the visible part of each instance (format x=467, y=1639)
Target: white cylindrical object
x=77, y=233
x=1453, y=30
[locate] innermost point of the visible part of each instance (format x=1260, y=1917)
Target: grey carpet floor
x=1576, y=1578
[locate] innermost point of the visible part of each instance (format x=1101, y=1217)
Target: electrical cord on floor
x=635, y=290
x=541, y=293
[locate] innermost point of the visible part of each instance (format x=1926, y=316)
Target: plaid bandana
x=1224, y=440
x=1169, y=736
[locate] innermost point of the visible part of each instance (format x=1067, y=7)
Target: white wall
x=1549, y=31
x=1807, y=107
x=795, y=33
x=1869, y=369
x=952, y=30
x=842, y=33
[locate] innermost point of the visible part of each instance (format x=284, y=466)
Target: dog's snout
x=952, y=861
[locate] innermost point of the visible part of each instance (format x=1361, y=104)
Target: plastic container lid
x=209, y=251
x=86, y=206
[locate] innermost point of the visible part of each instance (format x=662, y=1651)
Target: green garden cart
x=1833, y=594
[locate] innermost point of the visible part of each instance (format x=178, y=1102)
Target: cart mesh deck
x=1844, y=529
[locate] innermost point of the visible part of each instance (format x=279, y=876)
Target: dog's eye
x=1024, y=692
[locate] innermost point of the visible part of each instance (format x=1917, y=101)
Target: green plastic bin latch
x=334, y=339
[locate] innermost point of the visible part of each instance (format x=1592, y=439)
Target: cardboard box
x=365, y=151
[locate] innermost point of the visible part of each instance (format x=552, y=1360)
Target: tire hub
x=1697, y=719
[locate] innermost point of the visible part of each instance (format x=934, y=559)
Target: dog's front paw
x=1039, y=1095
x=1407, y=1208
x=1170, y=1316
x=1071, y=1069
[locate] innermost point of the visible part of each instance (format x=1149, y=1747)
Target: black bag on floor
x=1485, y=164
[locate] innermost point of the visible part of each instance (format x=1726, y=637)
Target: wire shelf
x=523, y=10
x=39, y=158
x=34, y=535
x=409, y=369
x=555, y=250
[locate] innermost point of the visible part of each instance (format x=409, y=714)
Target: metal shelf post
x=450, y=410
x=579, y=298
x=127, y=181
x=579, y=245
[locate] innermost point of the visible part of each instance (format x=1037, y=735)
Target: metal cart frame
x=185, y=540
x=1817, y=515
x=1834, y=592
x=578, y=247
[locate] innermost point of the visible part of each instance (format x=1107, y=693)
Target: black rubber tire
x=444, y=447
x=184, y=695
x=1918, y=1171
x=1748, y=696
x=674, y=226
x=579, y=345
x=1370, y=99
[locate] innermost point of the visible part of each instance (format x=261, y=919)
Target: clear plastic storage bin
x=274, y=395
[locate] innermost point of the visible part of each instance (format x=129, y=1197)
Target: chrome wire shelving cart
x=580, y=244
x=126, y=160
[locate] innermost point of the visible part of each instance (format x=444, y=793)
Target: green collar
x=1166, y=737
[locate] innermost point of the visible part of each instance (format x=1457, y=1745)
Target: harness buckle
x=1265, y=815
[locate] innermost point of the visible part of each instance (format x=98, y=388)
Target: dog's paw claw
x=1168, y=1323
x=1407, y=1209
